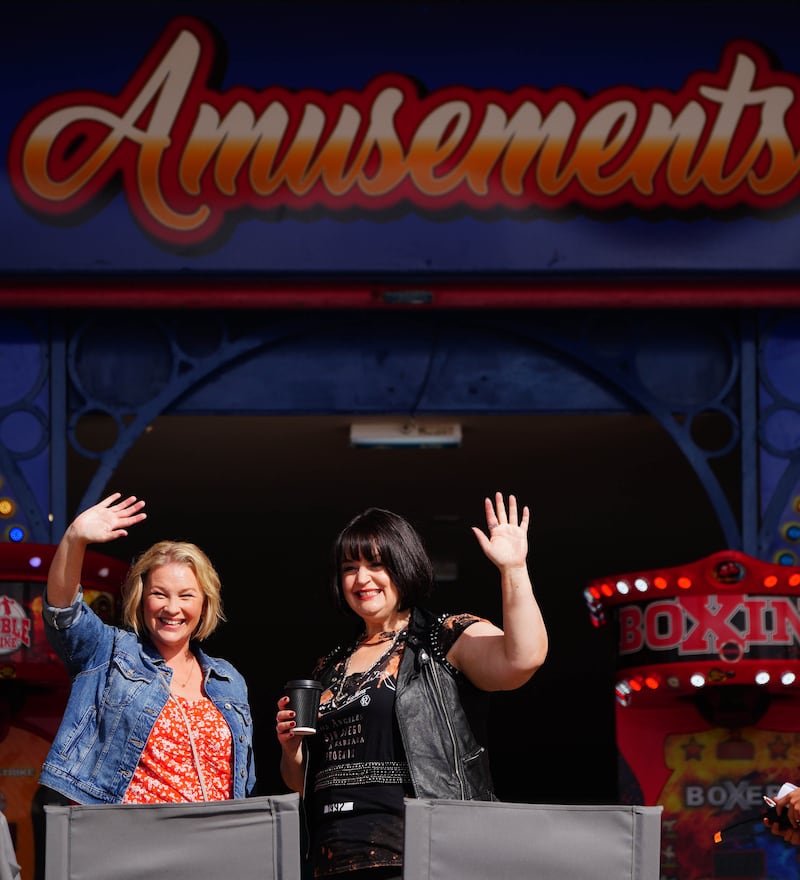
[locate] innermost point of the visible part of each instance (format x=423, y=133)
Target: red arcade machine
x=708, y=707
x=33, y=683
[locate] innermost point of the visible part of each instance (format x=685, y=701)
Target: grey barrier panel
x=248, y=839
x=477, y=840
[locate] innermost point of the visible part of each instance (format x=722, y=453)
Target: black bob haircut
x=380, y=535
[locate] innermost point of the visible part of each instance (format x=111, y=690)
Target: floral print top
x=167, y=772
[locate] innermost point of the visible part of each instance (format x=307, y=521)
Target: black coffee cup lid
x=303, y=683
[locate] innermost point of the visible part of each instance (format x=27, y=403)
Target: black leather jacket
x=441, y=716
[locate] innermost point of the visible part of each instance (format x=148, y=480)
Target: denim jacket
x=120, y=684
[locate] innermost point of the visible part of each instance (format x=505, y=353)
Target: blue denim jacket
x=120, y=684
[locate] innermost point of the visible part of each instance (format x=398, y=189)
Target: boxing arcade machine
x=33, y=683
x=708, y=707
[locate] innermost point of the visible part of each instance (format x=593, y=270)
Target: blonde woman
x=150, y=718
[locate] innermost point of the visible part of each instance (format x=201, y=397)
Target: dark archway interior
x=265, y=495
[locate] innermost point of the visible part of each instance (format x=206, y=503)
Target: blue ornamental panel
x=779, y=436
x=719, y=385
x=683, y=370
x=25, y=427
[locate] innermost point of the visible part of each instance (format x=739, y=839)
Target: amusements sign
x=211, y=150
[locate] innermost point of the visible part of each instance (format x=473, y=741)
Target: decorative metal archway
x=681, y=367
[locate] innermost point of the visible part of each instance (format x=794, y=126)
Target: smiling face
x=387, y=545
x=368, y=589
x=172, y=605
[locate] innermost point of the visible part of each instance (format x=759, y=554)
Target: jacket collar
x=209, y=665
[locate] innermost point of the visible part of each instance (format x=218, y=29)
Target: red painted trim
x=244, y=294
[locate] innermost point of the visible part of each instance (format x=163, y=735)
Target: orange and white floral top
x=167, y=772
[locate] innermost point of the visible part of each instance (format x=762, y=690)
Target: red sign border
x=238, y=293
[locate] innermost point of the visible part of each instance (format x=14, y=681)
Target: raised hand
x=108, y=520
x=496, y=659
x=104, y=522
x=507, y=541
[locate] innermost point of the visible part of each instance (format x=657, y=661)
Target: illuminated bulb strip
x=638, y=689
x=622, y=587
x=721, y=572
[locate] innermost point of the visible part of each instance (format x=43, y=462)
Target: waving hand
x=507, y=542
x=104, y=522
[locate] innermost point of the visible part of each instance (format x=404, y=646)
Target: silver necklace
x=337, y=697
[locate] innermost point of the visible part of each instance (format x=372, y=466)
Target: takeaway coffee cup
x=304, y=694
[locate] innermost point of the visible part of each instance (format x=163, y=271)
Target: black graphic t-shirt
x=360, y=773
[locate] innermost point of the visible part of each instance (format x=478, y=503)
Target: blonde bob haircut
x=181, y=553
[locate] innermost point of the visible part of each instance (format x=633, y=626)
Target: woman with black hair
x=403, y=709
